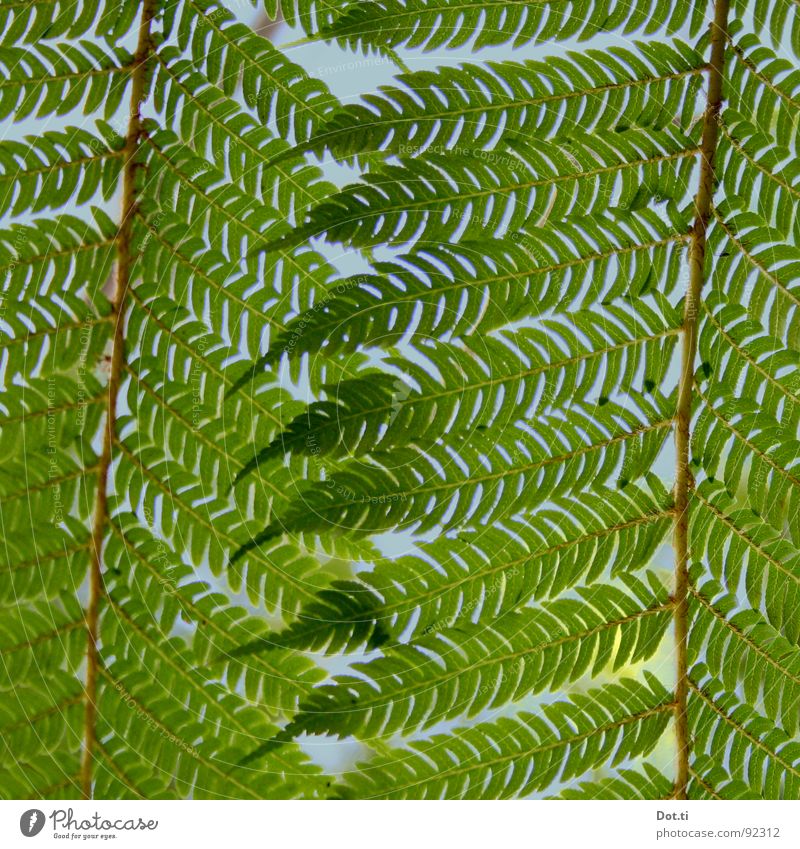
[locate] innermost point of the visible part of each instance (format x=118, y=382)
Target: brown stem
x=684, y=481
x=144, y=50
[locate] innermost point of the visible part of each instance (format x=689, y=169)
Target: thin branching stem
x=144, y=50
x=684, y=482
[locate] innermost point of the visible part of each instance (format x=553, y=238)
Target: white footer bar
x=403, y=825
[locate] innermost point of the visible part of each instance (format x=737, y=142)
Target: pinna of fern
x=456, y=475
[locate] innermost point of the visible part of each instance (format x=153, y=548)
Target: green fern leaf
x=515, y=756
x=379, y=419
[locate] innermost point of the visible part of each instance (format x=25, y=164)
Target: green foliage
x=460, y=289
x=229, y=54
x=444, y=198
x=56, y=80
x=58, y=168
x=31, y=22
x=627, y=784
x=390, y=459
x=477, y=106
x=513, y=757
x=468, y=668
x=432, y=24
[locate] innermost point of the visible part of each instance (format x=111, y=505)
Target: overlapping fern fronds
x=229, y=460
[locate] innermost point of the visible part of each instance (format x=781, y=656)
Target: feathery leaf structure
x=445, y=477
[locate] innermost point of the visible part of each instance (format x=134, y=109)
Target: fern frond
x=226, y=217
x=515, y=757
x=478, y=107
x=468, y=669
x=491, y=382
x=648, y=783
x=471, y=287
x=264, y=478
x=763, y=756
x=771, y=562
x=228, y=52
x=43, y=715
x=311, y=15
x=190, y=509
x=481, y=575
x=187, y=427
x=178, y=174
x=243, y=307
x=747, y=652
x=748, y=249
x=62, y=79
x=50, y=170
x=30, y=21
x=41, y=638
x=433, y=24
x=38, y=258
x=422, y=487
x=757, y=453
x=764, y=86
x=474, y=196
x=738, y=352
x=215, y=127
x=275, y=683
x=756, y=165
x=779, y=20
x=134, y=717
x=708, y=780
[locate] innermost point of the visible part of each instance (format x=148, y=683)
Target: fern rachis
x=451, y=476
